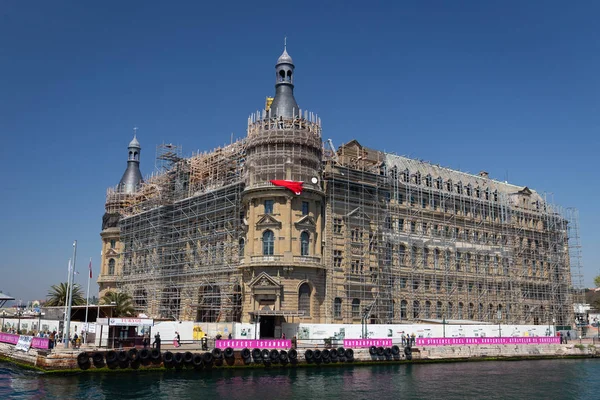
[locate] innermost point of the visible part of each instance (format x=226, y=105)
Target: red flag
x=90, y=269
x=294, y=186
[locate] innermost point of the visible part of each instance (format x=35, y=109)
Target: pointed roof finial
x=285, y=58
x=134, y=142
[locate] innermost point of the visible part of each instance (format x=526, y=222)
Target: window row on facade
x=430, y=309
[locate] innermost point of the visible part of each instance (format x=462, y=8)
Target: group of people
x=408, y=340
x=563, y=338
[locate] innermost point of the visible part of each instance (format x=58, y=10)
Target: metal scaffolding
x=412, y=241
x=180, y=233
x=404, y=240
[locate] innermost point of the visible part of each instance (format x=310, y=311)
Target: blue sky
x=508, y=87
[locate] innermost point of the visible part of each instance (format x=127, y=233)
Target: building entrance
x=267, y=327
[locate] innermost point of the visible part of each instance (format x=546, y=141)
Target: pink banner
x=37, y=342
x=354, y=343
x=9, y=338
x=485, y=340
x=251, y=344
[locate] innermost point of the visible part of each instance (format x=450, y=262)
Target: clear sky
x=508, y=87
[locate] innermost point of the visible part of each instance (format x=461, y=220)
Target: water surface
x=541, y=379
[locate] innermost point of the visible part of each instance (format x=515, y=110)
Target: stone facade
x=371, y=237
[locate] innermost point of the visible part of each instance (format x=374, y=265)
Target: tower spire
x=284, y=104
x=132, y=176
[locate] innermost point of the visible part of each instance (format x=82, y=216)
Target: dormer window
x=439, y=183
x=428, y=181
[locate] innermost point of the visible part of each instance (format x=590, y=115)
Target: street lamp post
x=499, y=316
x=444, y=324
x=39, y=327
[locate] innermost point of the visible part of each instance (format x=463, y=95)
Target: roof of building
x=285, y=58
x=134, y=143
x=435, y=171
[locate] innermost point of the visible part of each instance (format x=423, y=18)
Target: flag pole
x=67, y=298
x=87, y=303
x=68, y=329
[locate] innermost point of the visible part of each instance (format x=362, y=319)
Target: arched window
x=337, y=308
x=438, y=309
x=416, y=309
x=268, y=243
x=242, y=247
x=460, y=310
x=111, y=266
x=304, y=299
x=403, y=306
x=304, y=243
x=427, y=309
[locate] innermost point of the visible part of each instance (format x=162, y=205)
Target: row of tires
x=390, y=352
x=134, y=358
x=327, y=356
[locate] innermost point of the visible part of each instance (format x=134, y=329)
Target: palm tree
x=57, y=295
x=121, y=301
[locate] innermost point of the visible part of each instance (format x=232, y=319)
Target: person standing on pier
x=157, y=341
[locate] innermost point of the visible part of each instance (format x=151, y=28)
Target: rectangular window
x=113, y=243
x=337, y=308
x=268, y=206
x=401, y=224
x=305, y=208
x=337, y=258
x=337, y=225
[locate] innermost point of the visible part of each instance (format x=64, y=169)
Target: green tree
x=597, y=281
x=57, y=295
x=122, y=302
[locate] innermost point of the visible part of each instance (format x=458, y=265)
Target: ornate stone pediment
x=525, y=191
x=111, y=253
x=264, y=284
x=268, y=221
x=306, y=222
x=264, y=280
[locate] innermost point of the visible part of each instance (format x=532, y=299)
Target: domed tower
x=283, y=204
x=116, y=199
x=132, y=176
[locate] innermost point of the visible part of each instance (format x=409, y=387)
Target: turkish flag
x=294, y=186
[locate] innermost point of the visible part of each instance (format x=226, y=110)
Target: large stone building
x=230, y=235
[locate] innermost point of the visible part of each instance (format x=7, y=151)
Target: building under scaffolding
x=370, y=236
